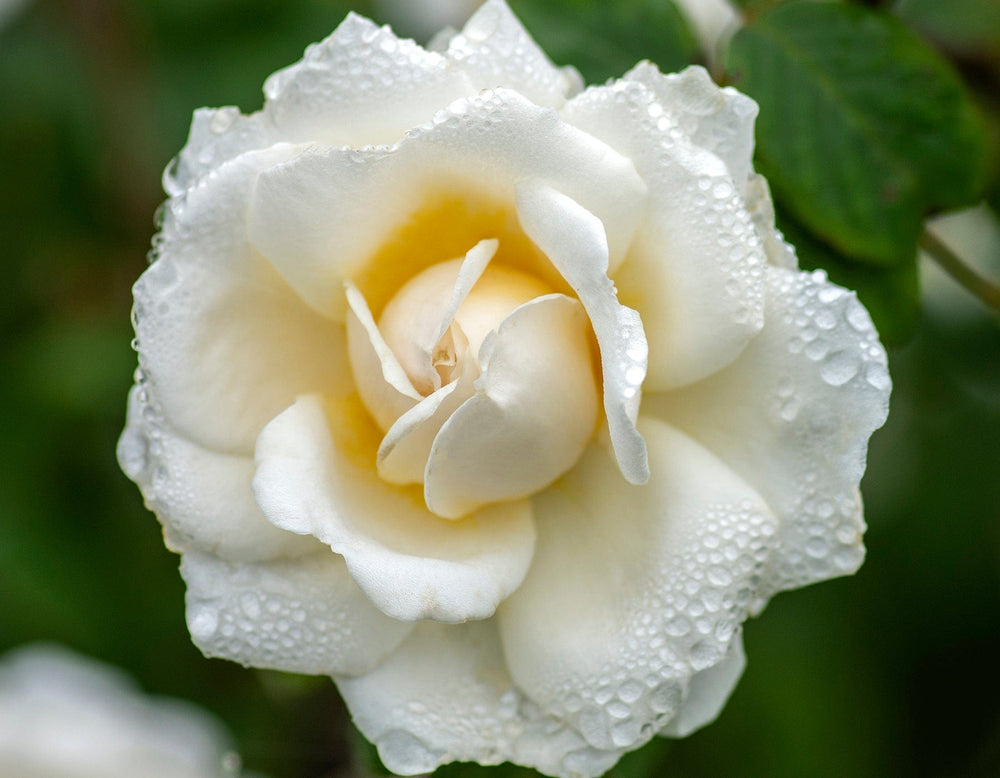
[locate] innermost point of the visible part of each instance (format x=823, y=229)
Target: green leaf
x=603, y=40
x=863, y=128
x=891, y=294
x=970, y=25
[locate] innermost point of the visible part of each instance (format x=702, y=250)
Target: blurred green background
x=893, y=672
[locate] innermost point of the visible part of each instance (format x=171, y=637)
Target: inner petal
x=442, y=315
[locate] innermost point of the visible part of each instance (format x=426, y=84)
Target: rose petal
x=793, y=416
x=216, y=136
x=696, y=268
x=403, y=453
x=633, y=590
x=317, y=235
x=708, y=693
x=534, y=410
x=779, y=251
x=495, y=50
x=223, y=343
x=417, y=317
x=574, y=241
x=362, y=85
x=717, y=120
x=381, y=381
x=203, y=499
x=471, y=270
x=316, y=475
x=301, y=616
x=445, y=695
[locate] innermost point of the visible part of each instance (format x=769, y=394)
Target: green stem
x=951, y=263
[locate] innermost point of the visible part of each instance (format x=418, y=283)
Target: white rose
x=65, y=716
x=391, y=355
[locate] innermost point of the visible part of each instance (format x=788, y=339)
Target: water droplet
x=840, y=367
x=618, y=710
x=634, y=375
x=405, y=754
x=250, y=605
x=825, y=319
x=817, y=548
x=665, y=698
x=719, y=576
x=828, y=294
x=790, y=409
x=630, y=691
x=704, y=654
x=877, y=375
x=202, y=623
x=858, y=317
x=625, y=733
x=817, y=350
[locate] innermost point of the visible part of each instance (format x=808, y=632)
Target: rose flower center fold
x=430, y=337
x=482, y=378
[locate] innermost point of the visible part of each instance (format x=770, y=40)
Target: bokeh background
x=894, y=672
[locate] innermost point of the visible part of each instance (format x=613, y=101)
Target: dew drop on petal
x=203, y=622
x=840, y=367
x=877, y=375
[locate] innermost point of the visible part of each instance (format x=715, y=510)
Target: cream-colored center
x=429, y=343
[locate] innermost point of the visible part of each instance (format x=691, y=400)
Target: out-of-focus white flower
x=64, y=716
x=499, y=400
x=974, y=234
x=713, y=22
x=421, y=19
x=9, y=9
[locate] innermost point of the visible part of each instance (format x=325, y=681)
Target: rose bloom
x=498, y=399
x=65, y=716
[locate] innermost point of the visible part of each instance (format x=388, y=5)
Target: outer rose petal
x=495, y=50
x=793, y=416
x=223, y=343
x=696, y=269
x=302, y=616
x=610, y=626
x=445, y=695
x=360, y=86
x=217, y=135
x=708, y=693
x=779, y=252
x=316, y=475
x=318, y=235
x=204, y=499
x=717, y=120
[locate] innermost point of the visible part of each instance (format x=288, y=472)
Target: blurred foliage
x=969, y=27
x=863, y=128
x=863, y=131
x=893, y=672
x=607, y=39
